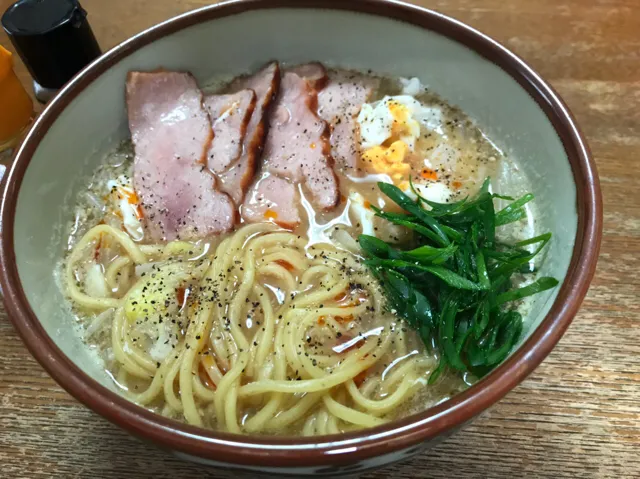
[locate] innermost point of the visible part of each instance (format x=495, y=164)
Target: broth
x=315, y=268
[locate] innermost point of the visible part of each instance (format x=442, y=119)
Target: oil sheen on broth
x=266, y=329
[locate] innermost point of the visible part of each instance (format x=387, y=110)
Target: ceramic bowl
x=511, y=103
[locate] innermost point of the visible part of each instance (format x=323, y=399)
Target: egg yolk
x=402, y=121
x=390, y=157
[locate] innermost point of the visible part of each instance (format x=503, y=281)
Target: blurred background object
x=16, y=107
x=54, y=40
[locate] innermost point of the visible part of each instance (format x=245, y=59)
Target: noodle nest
x=267, y=335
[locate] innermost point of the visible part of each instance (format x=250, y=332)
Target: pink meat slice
x=272, y=198
x=296, y=151
x=171, y=133
x=239, y=176
x=339, y=103
x=297, y=145
x=315, y=73
x=230, y=115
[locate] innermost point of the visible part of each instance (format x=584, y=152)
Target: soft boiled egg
x=362, y=212
x=411, y=86
x=433, y=191
x=389, y=130
x=125, y=204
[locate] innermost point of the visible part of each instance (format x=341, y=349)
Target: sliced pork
x=272, y=199
x=171, y=133
x=297, y=146
x=230, y=115
x=315, y=73
x=339, y=104
x=237, y=178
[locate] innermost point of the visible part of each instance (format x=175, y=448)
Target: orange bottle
x=16, y=107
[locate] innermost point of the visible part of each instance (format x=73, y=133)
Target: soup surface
x=214, y=259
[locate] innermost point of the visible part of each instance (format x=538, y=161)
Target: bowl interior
x=95, y=121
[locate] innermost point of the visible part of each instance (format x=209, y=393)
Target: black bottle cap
x=53, y=38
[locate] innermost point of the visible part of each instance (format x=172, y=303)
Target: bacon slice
x=230, y=115
x=339, y=103
x=171, y=134
x=265, y=83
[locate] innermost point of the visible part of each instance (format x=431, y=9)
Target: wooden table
x=578, y=415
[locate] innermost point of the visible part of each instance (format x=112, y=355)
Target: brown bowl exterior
x=328, y=454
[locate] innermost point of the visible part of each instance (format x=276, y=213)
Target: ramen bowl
x=515, y=108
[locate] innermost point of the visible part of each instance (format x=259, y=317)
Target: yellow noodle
x=118, y=341
x=322, y=420
x=202, y=392
x=309, y=428
x=348, y=414
x=277, y=372
x=116, y=268
x=342, y=373
x=382, y=406
x=289, y=416
x=332, y=425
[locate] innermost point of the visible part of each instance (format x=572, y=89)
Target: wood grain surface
x=577, y=415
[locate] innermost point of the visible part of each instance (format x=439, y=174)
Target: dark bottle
x=54, y=40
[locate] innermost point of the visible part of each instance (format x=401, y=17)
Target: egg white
x=365, y=216
x=376, y=120
x=122, y=190
x=434, y=191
